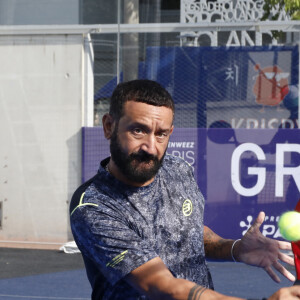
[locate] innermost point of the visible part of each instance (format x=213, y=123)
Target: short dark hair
x=139, y=90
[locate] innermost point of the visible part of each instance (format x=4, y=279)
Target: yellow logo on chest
x=187, y=207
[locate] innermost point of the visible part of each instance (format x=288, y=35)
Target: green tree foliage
x=292, y=7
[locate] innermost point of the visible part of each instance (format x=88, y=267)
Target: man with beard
x=139, y=221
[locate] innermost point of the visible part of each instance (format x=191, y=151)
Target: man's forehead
x=131, y=104
x=140, y=110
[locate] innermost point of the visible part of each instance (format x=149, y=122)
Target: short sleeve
x=110, y=240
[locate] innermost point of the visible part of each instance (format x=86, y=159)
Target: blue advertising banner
x=239, y=171
x=249, y=171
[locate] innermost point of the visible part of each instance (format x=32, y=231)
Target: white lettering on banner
x=238, y=124
x=252, y=123
x=179, y=150
x=281, y=170
x=188, y=156
x=273, y=123
x=259, y=171
x=269, y=227
x=232, y=74
x=181, y=144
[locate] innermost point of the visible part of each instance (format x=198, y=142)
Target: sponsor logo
x=271, y=85
x=273, y=123
x=117, y=259
x=269, y=228
x=181, y=145
x=187, y=207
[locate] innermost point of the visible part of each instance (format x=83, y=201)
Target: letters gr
x=280, y=169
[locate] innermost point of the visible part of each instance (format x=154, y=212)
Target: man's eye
x=162, y=135
x=137, y=131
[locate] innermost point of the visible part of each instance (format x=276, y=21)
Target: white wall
x=24, y=12
x=41, y=88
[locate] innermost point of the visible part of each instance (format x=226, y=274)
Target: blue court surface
x=239, y=280
x=53, y=275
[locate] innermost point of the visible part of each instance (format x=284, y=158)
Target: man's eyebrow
x=138, y=125
x=161, y=130
x=146, y=127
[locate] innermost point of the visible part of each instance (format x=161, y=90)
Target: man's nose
x=149, y=144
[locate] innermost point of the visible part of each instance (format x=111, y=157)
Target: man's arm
x=154, y=280
x=215, y=246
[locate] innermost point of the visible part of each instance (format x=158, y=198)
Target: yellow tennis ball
x=289, y=225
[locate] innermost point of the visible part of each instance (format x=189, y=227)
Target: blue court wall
x=250, y=171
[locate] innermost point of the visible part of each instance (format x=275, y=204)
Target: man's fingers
x=281, y=269
x=284, y=245
x=259, y=220
x=286, y=258
x=272, y=274
x=287, y=293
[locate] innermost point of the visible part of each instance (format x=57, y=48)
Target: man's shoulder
x=175, y=167
x=171, y=161
x=102, y=191
x=79, y=192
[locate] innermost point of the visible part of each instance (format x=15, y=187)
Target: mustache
x=143, y=156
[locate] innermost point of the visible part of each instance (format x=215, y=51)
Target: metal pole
x=130, y=41
x=118, y=43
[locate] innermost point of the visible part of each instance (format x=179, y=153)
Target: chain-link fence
x=242, y=86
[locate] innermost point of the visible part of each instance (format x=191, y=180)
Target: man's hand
x=258, y=250
x=289, y=293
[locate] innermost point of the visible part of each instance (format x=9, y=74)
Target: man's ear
x=108, y=125
x=172, y=128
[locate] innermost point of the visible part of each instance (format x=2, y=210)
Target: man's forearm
x=199, y=292
x=155, y=280
x=183, y=289
x=196, y=292
x=215, y=246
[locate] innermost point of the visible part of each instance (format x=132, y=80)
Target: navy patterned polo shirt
x=119, y=227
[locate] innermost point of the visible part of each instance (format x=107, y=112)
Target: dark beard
x=130, y=165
